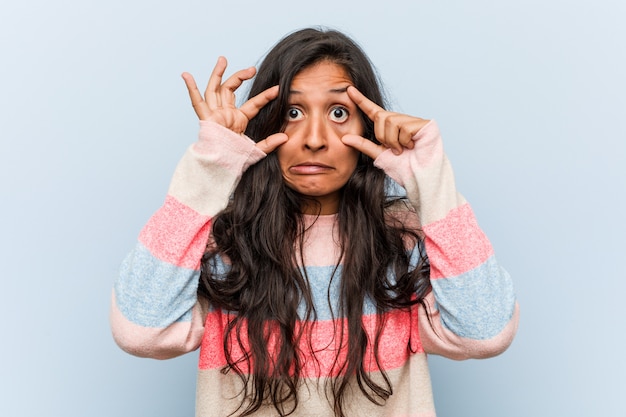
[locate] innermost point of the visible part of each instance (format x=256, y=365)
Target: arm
x=473, y=311
x=472, y=306
x=155, y=311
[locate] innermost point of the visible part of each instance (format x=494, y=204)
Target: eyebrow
x=332, y=90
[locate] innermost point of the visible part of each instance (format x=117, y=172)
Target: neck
x=320, y=206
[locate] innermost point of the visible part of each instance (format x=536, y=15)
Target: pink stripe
x=176, y=234
x=393, y=349
x=456, y=244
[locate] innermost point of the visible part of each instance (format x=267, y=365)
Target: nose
x=316, y=135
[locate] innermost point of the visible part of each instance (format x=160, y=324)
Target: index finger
x=368, y=106
x=252, y=107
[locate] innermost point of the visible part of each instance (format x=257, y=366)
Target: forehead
x=320, y=76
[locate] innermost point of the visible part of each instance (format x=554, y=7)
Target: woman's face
x=314, y=161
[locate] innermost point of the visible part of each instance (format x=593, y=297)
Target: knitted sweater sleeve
x=154, y=310
x=472, y=308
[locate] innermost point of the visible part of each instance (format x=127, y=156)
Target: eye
x=294, y=114
x=339, y=114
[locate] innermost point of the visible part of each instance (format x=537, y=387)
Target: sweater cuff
x=214, y=136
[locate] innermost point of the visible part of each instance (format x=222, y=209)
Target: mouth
x=310, y=168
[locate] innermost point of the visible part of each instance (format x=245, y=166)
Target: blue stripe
x=324, y=291
x=476, y=304
x=153, y=293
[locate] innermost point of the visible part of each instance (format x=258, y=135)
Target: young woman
x=280, y=253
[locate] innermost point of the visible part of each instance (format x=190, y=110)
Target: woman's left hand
x=394, y=131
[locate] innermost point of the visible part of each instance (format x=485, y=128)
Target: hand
x=218, y=103
x=394, y=131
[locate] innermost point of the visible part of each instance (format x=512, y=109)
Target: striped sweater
x=155, y=311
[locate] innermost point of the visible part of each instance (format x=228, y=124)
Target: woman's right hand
x=218, y=103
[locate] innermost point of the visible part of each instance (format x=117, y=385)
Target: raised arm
x=155, y=311
x=473, y=311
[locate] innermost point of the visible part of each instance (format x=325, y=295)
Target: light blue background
x=530, y=96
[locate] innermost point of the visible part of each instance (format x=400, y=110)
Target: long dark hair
x=262, y=226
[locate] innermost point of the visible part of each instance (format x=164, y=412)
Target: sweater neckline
x=322, y=220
